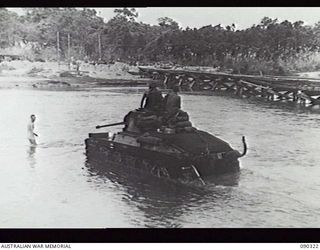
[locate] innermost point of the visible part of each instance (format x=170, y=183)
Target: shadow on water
x=162, y=202
x=283, y=105
x=31, y=155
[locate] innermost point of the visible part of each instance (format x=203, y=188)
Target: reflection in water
x=279, y=105
x=230, y=179
x=163, y=203
x=31, y=155
x=284, y=106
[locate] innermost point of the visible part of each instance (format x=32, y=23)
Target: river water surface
x=51, y=186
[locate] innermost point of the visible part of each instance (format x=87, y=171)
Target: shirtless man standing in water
x=31, y=134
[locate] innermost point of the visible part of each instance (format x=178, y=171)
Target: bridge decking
x=291, y=88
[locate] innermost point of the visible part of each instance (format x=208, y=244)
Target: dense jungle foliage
x=269, y=47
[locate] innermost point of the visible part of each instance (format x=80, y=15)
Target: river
x=51, y=186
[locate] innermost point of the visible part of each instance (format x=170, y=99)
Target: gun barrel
x=110, y=125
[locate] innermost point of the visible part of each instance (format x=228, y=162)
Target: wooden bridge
x=305, y=91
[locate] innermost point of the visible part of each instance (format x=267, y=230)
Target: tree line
x=270, y=46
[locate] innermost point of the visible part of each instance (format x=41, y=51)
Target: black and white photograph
x=158, y=117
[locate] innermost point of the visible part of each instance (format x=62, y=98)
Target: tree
x=266, y=43
x=42, y=25
x=168, y=23
x=10, y=28
x=129, y=14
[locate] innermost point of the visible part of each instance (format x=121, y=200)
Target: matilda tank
x=165, y=148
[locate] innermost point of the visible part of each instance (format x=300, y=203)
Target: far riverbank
x=20, y=73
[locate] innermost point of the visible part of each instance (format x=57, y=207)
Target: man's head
x=152, y=85
x=176, y=89
x=33, y=117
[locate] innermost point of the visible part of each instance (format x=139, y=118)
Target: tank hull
x=150, y=160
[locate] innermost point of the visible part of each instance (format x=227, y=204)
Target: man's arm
x=142, y=100
x=179, y=102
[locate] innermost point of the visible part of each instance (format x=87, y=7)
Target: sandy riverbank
x=39, y=74
x=313, y=74
x=18, y=73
